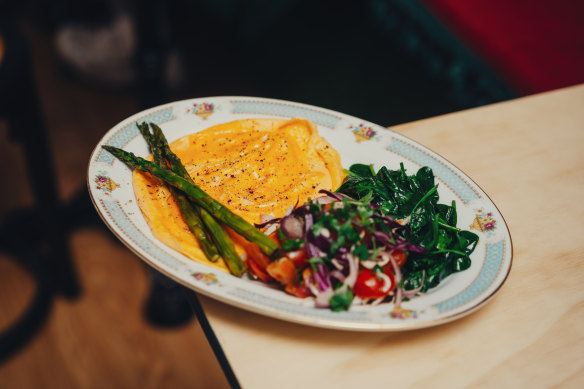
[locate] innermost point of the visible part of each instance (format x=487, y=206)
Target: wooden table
x=528, y=155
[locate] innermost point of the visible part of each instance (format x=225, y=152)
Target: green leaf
x=315, y=261
x=469, y=240
x=341, y=301
x=462, y=263
x=418, y=219
x=292, y=244
x=425, y=178
x=414, y=280
x=362, y=170
x=335, y=245
x=426, y=197
x=349, y=232
x=444, y=240
x=361, y=252
x=447, y=214
x=431, y=225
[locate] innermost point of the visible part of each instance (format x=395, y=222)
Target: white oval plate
x=357, y=141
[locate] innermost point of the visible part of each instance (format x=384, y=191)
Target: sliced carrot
x=274, y=237
x=257, y=270
x=252, y=249
x=283, y=270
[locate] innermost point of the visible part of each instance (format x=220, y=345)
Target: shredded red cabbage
x=340, y=237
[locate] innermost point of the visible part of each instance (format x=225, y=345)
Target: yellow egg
x=253, y=166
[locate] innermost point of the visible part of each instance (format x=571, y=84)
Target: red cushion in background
x=534, y=45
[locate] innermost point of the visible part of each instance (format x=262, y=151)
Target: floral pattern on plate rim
x=105, y=183
x=364, y=133
x=207, y=278
x=484, y=222
x=202, y=110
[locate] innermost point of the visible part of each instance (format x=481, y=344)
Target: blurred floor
x=101, y=339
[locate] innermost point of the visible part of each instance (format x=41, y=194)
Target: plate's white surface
x=358, y=141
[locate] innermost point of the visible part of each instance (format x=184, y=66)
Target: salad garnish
x=342, y=249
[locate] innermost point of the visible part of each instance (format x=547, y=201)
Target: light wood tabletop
x=528, y=156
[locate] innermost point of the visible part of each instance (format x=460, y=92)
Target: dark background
x=386, y=61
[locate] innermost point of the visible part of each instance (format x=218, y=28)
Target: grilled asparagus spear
x=222, y=241
x=196, y=194
x=188, y=211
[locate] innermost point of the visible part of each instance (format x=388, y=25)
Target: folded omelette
x=254, y=167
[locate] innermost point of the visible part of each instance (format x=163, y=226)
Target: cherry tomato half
x=371, y=284
x=298, y=257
